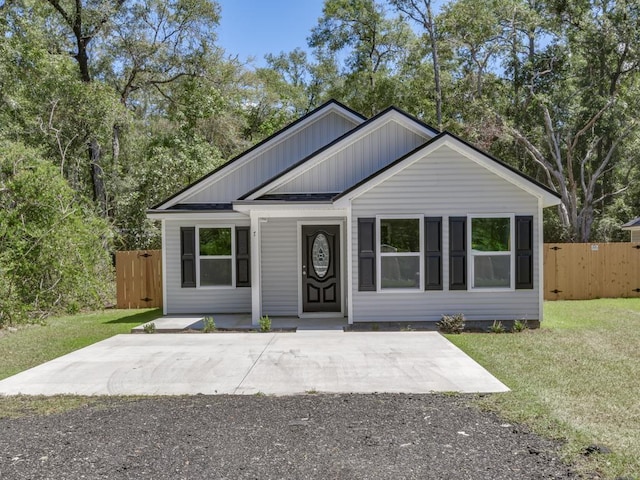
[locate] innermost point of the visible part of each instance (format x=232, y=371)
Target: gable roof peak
x=329, y=105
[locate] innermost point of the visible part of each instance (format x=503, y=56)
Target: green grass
x=32, y=345
x=576, y=379
x=35, y=344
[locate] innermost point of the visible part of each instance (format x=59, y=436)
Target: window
x=215, y=257
x=491, y=252
x=400, y=253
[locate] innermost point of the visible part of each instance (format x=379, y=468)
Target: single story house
x=377, y=220
x=634, y=227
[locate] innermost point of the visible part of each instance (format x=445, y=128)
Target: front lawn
x=35, y=344
x=577, y=378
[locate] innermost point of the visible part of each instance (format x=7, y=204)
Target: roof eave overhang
x=156, y=214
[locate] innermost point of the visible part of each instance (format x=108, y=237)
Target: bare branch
x=56, y=4
x=592, y=121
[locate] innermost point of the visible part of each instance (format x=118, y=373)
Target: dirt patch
x=308, y=436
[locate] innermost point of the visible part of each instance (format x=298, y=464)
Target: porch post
x=164, y=267
x=256, y=288
x=349, y=247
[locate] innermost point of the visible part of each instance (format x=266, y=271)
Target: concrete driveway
x=249, y=363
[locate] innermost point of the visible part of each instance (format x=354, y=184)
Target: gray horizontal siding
x=279, y=257
x=445, y=184
x=635, y=236
x=197, y=300
x=279, y=267
x=357, y=161
x=267, y=163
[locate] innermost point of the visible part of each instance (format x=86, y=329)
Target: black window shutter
x=433, y=253
x=188, y=256
x=524, y=252
x=457, y=253
x=366, y=254
x=243, y=257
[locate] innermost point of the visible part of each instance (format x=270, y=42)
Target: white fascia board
x=291, y=211
x=391, y=115
x=195, y=215
x=547, y=198
x=239, y=162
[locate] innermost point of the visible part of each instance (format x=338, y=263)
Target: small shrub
x=497, y=327
x=265, y=324
x=451, y=323
x=73, y=308
x=375, y=327
x=520, y=326
x=208, y=325
x=149, y=328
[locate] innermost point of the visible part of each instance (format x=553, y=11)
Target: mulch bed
x=312, y=436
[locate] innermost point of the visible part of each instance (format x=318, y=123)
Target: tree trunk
x=115, y=145
x=97, y=177
x=436, y=64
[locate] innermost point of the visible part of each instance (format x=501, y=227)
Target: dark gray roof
x=298, y=197
x=201, y=206
x=633, y=223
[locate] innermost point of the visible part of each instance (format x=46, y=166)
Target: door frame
x=301, y=312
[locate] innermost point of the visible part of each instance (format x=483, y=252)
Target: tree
x=587, y=111
x=421, y=12
x=137, y=44
x=52, y=247
x=373, y=46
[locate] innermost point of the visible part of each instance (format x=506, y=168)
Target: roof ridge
x=342, y=137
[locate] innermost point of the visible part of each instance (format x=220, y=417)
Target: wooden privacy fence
x=580, y=271
x=139, y=279
x=572, y=271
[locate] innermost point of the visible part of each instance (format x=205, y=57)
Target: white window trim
x=380, y=254
x=472, y=253
x=216, y=257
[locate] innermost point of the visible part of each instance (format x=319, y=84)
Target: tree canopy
x=116, y=104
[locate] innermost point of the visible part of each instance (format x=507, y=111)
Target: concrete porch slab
x=178, y=323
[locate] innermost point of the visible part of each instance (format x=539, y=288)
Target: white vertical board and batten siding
x=265, y=164
x=356, y=161
x=444, y=184
x=198, y=300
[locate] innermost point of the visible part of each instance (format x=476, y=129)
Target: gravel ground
x=257, y=437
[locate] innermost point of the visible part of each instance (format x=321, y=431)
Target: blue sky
x=257, y=27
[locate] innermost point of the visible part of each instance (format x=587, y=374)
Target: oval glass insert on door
x=320, y=255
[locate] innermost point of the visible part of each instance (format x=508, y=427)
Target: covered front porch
x=299, y=264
